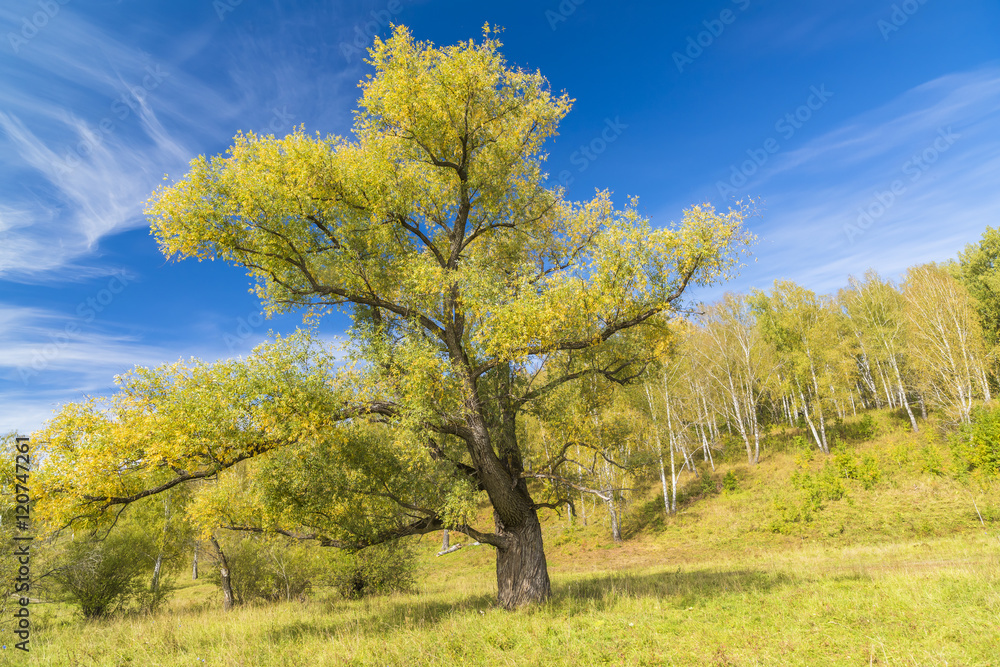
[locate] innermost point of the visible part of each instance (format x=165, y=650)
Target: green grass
x=901, y=573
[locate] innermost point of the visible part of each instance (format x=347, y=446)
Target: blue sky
x=870, y=132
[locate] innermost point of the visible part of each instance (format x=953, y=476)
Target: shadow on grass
x=379, y=617
x=682, y=589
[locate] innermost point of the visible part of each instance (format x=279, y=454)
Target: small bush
x=931, y=460
x=824, y=485
x=271, y=570
x=847, y=467
x=105, y=577
x=869, y=473
x=377, y=570
x=866, y=428
x=976, y=446
x=730, y=482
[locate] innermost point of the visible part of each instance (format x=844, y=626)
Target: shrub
x=931, y=460
x=105, y=577
x=377, y=570
x=271, y=569
x=847, y=467
x=866, y=428
x=730, y=482
x=824, y=485
x=869, y=474
x=976, y=446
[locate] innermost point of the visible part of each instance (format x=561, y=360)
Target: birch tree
x=948, y=346
x=875, y=310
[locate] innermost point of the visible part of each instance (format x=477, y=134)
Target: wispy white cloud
x=90, y=125
x=937, y=145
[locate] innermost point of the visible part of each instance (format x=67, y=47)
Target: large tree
x=464, y=274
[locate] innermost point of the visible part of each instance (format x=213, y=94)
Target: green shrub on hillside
x=730, y=482
x=869, y=474
x=976, y=446
x=105, y=577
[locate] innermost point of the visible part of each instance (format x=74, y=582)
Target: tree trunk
x=616, y=531
x=809, y=421
x=224, y=575
x=194, y=565
x=659, y=449
x=155, y=585
x=522, y=573
x=445, y=540
x=902, y=394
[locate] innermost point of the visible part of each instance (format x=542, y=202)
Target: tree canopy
x=474, y=290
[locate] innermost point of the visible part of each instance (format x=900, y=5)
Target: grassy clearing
x=896, y=572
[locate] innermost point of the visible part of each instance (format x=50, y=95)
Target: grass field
x=900, y=571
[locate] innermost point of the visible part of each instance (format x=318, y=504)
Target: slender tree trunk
x=659, y=448
x=885, y=385
x=923, y=406
x=906, y=404
x=155, y=585
x=819, y=407
x=673, y=480
x=673, y=469
x=224, y=574
x=194, y=564
x=812, y=427
x=902, y=394
x=705, y=448
x=616, y=531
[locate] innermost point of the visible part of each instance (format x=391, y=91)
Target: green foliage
x=823, y=485
x=706, y=482
x=867, y=428
x=106, y=577
x=978, y=269
x=931, y=460
x=271, y=570
x=377, y=570
x=846, y=464
x=976, y=446
x=730, y=481
x=869, y=473
x=805, y=459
